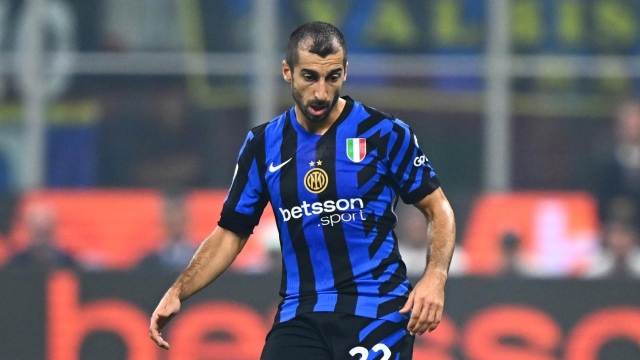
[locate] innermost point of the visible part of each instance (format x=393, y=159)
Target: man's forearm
x=213, y=257
x=442, y=233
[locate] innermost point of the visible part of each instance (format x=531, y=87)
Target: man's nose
x=320, y=91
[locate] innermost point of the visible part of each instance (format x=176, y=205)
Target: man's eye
x=334, y=78
x=308, y=77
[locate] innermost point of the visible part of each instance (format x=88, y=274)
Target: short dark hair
x=323, y=37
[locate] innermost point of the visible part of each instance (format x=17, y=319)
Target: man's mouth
x=317, y=110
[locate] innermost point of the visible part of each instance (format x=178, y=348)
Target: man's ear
x=345, y=71
x=286, y=71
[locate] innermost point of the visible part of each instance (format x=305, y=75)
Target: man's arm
x=427, y=297
x=215, y=255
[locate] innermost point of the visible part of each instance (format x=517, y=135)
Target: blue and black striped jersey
x=334, y=197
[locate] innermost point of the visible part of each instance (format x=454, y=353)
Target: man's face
x=628, y=124
x=175, y=223
x=315, y=83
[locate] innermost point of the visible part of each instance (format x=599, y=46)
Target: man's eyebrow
x=335, y=71
x=309, y=71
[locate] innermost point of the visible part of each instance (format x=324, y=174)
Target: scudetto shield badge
x=356, y=149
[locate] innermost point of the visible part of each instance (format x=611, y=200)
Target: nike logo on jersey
x=276, y=168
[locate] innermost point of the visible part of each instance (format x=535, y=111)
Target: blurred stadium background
x=120, y=123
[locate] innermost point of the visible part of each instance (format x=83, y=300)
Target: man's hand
x=166, y=310
x=427, y=302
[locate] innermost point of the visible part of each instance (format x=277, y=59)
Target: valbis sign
x=68, y=316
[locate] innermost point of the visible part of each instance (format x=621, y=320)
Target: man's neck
x=628, y=154
x=321, y=127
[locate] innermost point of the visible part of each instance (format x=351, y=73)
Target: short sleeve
x=247, y=196
x=408, y=166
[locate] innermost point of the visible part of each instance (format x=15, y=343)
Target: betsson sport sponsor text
x=329, y=206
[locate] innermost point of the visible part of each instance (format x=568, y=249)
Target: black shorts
x=337, y=336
